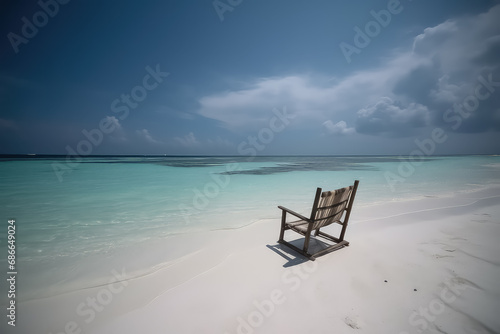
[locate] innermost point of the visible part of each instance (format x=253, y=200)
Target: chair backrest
x=329, y=206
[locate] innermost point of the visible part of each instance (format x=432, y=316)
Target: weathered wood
x=349, y=208
x=314, y=226
x=328, y=236
x=298, y=215
x=332, y=248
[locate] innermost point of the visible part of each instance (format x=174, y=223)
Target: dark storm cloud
x=456, y=84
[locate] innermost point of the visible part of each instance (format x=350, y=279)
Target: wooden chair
x=329, y=207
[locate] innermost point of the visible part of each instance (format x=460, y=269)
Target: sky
x=250, y=77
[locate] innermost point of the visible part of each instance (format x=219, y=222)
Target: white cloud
x=118, y=133
x=309, y=98
x=390, y=117
x=252, y=107
x=459, y=46
x=188, y=140
x=432, y=39
x=339, y=128
x=441, y=69
x=144, y=133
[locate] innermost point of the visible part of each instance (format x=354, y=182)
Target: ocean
x=74, y=218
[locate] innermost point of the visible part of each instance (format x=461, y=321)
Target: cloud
x=411, y=90
x=252, y=107
x=433, y=38
x=309, y=98
x=388, y=117
x=165, y=110
x=339, y=128
x=462, y=45
x=144, y=134
x=458, y=53
x=118, y=134
x=313, y=100
x=188, y=141
x=446, y=91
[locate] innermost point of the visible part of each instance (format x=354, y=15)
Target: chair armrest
x=293, y=213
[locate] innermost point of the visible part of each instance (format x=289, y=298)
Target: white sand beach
x=428, y=265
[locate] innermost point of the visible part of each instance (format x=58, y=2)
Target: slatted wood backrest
x=330, y=206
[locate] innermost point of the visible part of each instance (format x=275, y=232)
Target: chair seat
x=299, y=225
x=302, y=225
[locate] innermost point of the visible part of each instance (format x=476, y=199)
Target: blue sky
x=237, y=77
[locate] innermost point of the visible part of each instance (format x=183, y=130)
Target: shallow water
x=102, y=207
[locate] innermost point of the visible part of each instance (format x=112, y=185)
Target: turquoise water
x=102, y=206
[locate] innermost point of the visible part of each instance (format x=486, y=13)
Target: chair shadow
x=289, y=254
x=285, y=252
x=292, y=256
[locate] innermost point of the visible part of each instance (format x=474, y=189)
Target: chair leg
x=342, y=233
x=306, y=242
x=283, y=220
